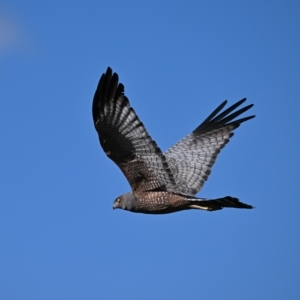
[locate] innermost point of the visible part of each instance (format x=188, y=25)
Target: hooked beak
x=114, y=206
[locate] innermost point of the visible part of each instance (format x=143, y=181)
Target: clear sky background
x=178, y=60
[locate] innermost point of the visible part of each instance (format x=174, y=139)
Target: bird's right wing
x=125, y=140
x=192, y=157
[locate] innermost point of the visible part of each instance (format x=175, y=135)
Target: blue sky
x=59, y=237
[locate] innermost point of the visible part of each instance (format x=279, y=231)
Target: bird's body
x=161, y=182
x=157, y=202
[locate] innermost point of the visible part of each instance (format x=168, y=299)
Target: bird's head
x=126, y=201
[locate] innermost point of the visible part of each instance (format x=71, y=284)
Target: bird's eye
x=118, y=200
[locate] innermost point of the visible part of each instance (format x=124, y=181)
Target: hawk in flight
x=161, y=182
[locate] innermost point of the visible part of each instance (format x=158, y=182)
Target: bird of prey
x=161, y=182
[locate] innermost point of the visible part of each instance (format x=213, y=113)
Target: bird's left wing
x=125, y=140
x=192, y=157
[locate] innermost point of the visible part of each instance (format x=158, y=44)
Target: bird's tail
x=216, y=204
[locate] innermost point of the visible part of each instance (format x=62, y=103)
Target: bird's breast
x=159, y=202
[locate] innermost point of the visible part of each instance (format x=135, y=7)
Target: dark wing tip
x=218, y=120
x=108, y=88
x=215, y=112
x=108, y=70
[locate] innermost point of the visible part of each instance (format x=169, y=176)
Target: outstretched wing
x=125, y=140
x=192, y=157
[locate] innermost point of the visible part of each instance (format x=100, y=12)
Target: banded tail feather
x=219, y=203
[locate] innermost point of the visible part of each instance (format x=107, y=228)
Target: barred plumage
x=161, y=182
